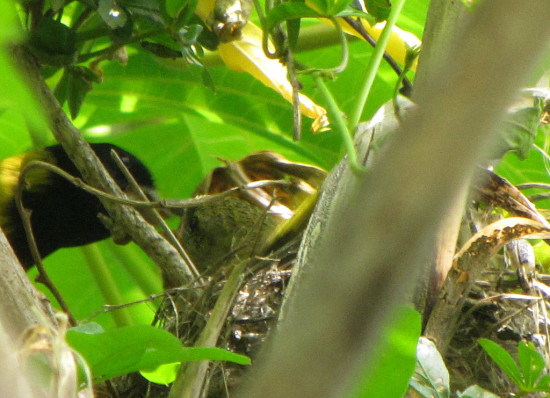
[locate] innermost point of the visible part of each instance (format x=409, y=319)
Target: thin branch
x=43, y=277
x=157, y=218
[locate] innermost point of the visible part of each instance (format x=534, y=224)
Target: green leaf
x=518, y=132
x=133, y=348
x=380, y=9
x=503, y=359
x=351, y=12
x=383, y=378
x=321, y=5
x=173, y=7
x=19, y=107
x=531, y=363
x=431, y=378
x=293, y=32
x=338, y=6
x=291, y=10
x=73, y=87
x=53, y=42
x=164, y=374
x=543, y=384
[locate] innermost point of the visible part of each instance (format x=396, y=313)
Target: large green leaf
x=130, y=349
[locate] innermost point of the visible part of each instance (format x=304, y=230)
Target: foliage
x=159, y=109
x=114, y=70
x=133, y=348
x=528, y=373
x=431, y=378
x=140, y=74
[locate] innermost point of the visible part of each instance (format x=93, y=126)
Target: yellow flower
x=247, y=55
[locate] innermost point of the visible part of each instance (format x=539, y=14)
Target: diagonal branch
x=381, y=233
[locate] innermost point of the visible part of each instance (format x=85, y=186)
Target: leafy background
x=161, y=111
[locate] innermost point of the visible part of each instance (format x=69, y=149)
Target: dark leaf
x=79, y=84
x=54, y=43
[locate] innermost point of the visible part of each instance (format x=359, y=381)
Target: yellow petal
x=401, y=41
x=247, y=55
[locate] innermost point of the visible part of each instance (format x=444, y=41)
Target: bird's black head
x=63, y=215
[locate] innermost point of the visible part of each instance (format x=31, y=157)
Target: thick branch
x=22, y=306
x=378, y=239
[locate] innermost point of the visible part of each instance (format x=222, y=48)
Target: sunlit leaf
x=398, y=346
x=129, y=349
x=431, y=378
x=287, y=11
x=503, y=359
x=531, y=363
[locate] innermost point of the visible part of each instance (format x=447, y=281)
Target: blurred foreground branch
x=380, y=234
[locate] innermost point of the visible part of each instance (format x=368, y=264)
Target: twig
x=157, y=218
x=26, y=220
x=109, y=307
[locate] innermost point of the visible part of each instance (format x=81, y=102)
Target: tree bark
x=22, y=305
x=379, y=236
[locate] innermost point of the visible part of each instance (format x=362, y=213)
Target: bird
x=62, y=214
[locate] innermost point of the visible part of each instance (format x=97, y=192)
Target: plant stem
x=374, y=63
x=106, y=283
x=147, y=280
x=336, y=116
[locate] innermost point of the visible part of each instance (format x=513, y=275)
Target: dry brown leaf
x=493, y=237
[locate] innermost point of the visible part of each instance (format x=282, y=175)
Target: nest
x=251, y=316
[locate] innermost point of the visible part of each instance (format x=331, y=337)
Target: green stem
x=337, y=118
x=144, y=276
x=374, y=63
x=106, y=283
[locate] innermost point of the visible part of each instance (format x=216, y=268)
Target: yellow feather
x=10, y=169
